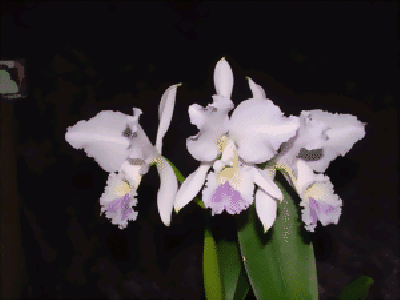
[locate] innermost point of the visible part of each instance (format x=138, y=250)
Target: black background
x=86, y=57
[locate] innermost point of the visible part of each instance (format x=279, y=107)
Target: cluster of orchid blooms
x=230, y=151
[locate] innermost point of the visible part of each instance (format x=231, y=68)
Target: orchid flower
x=121, y=147
x=331, y=135
x=118, y=209
x=252, y=135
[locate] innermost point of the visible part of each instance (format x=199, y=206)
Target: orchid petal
x=168, y=189
x=117, y=200
x=132, y=173
x=141, y=147
x=339, y=132
x=222, y=103
x=223, y=78
x=305, y=176
x=212, y=121
x=246, y=183
x=320, y=203
x=191, y=186
x=211, y=184
x=258, y=91
x=165, y=112
x=266, y=208
x=196, y=115
x=267, y=184
x=259, y=128
x=312, y=133
x=101, y=138
x=203, y=147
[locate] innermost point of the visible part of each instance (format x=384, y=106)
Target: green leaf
x=212, y=279
x=358, y=289
x=280, y=263
x=243, y=285
x=294, y=250
x=259, y=258
x=229, y=260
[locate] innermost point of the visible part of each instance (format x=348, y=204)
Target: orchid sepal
x=165, y=111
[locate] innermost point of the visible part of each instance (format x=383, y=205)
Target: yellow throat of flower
x=315, y=191
x=122, y=189
x=229, y=172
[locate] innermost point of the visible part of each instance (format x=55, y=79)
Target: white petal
x=203, y=147
x=223, y=78
x=268, y=173
x=306, y=216
x=258, y=91
x=141, y=148
x=165, y=112
x=245, y=183
x=266, y=208
x=101, y=137
x=210, y=186
x=222, y=103
x=132, y=173
x=305, y=177
x=134, y=119
x=340, y=133
x=267, y=184
x=312, y=132
x=259, y=128
x=212, y=121
x=197, y=115
x=167, y=192
x=191, y=186
x=340, y=141
x=322, y=164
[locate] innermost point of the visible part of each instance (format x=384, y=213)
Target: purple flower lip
x=226, y=198
x=324, y=212
x=120, y=211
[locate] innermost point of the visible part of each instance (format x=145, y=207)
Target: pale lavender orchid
x=121, y=147
x=332, y=135
x=252, y=135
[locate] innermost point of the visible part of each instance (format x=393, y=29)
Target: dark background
x=86, y=57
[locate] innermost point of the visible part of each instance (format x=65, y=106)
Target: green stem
x=212, y=278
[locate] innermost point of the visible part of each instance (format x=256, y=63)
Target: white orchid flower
x=250, y=136
x=331, y=135
x=121, y=147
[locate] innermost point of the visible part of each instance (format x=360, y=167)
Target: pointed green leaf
x=358, y=289
x=259, y=258
x=243, y=285
x=212, y=279
x=229, y=262
x=280, y=263
x=294, y=250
